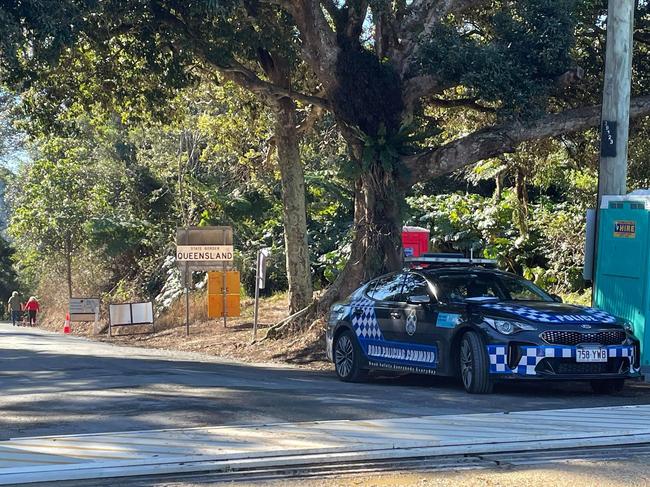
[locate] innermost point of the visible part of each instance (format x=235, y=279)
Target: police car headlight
x=507, y=327
x=336, y=314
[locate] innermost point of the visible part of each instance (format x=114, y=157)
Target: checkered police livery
x=531, y=356
x=365, y=324
x=587, y=315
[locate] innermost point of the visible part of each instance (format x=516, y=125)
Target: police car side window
x=457, y=287
x=387, y=288
x=414, y=285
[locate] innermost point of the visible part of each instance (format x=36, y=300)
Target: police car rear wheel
x=347, y=358
x=608, y=386
x=474, y=365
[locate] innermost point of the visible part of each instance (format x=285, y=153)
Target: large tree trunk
x=287, y=140
x=522, y=200
x=68, y=265
x=293, y=207
x=377, y=242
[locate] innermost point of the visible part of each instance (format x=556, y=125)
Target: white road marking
x=88, y=456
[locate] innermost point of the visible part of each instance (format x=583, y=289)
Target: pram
x=24, y=317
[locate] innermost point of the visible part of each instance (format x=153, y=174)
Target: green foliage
x=50, y=199
x=8, y=277
x=550, y=253
x=510, y=54
x=133, y=137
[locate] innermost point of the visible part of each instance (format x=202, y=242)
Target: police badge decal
x=411, y=323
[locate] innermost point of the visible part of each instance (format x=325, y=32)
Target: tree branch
x=494, y=141
x=319, y=46
x=233, y=70
x=356, y=15
x=247, y=78
x=419, y=86
x=462, y=103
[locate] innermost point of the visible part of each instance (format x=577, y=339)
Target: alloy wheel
x=466, y=363
x=344, y=356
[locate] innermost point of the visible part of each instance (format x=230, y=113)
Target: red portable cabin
x=415, y=241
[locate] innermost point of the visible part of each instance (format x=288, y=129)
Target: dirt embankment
x=304, y=348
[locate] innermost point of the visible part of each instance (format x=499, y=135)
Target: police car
x=460, y=317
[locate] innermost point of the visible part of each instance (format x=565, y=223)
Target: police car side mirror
x=422, y=299
x=556, y=298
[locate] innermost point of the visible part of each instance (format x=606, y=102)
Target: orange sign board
x=215, y=305
x=215, y=282
x=216, y=294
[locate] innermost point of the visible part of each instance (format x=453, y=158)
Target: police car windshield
x=456, y=287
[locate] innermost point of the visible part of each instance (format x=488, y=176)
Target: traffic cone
x=66, y=325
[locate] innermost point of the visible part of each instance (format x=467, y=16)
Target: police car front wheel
x=347, y=358
x=474, y=364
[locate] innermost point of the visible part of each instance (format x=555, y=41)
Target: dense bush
x=550, y=251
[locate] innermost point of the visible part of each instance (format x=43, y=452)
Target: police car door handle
x=396, y=315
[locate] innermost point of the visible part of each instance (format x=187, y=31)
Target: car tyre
x=474, y=365
x=348, y=357
x=608, y=386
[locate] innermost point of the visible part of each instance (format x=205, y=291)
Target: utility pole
x=615, y=118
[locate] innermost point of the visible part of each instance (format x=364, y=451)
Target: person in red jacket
x=32, y=308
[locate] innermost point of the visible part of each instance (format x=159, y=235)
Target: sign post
x=187, y=301
x=260, y=283
x=203, y=249
x=225, y=293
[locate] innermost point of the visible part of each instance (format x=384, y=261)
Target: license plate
x=591, y=355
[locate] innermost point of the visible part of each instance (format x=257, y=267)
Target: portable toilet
x=415, y=241
x=622, y=263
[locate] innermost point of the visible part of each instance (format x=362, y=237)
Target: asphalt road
x=56, y=384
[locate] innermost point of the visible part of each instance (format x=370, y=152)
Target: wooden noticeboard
x=217, y=298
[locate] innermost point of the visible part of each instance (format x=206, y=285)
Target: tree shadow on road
x=50, y=393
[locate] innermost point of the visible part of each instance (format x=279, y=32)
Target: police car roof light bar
x=447, y=259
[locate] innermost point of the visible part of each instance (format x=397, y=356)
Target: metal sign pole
x=257, y=295
x=225, y=324
x=187, y=303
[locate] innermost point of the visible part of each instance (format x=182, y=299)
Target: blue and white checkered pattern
x=366, y=325
x=531, y=356
x=601, y=316
x=586, y=315
x=621, y=352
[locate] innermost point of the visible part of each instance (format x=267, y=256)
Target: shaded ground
x=57, y=384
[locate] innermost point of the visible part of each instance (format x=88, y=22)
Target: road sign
x=262, y=257
x=204, y=253
x=84, y=309
x=127, y=314
x=203, y=249
x=223, y=291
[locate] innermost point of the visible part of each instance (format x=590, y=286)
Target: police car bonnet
x=542, y=312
